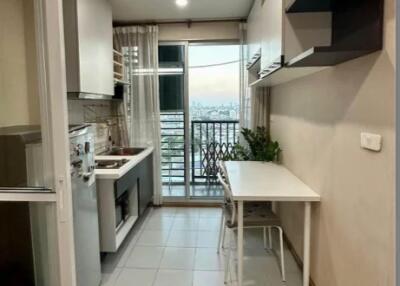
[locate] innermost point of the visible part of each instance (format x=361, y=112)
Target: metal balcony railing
x=212, y=140
x=172, y=147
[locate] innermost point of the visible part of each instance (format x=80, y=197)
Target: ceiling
x=166, y=10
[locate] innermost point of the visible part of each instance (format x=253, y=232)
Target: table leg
x=240, y=243
x=307, y=237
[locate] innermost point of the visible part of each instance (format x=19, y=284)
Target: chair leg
x=223, y=236
x=282, y=254
x=265, y=237
x=228, y=261
x=270, y=237
x=221, y=233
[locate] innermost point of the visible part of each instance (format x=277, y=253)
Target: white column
x=240, y=243
x=306, y=248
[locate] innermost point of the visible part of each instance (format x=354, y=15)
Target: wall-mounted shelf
x=285, y=74
x=325, y=56
x=302, y=6
x=118, y=61
x=357, y=30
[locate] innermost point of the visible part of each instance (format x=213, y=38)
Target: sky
x=213, y=85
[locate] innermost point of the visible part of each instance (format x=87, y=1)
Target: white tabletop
x=261, y=181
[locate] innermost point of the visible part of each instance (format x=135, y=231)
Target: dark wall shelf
x=357, y=30
x=325, y=56
x=302, y=6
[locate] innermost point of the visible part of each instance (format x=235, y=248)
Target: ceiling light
x=181, y=3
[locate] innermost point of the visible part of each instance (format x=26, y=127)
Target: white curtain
x=244, y=92
x=139, y=45
x=260, y=107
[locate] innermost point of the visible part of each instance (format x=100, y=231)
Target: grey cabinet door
x=142, y=174
x=146, y=185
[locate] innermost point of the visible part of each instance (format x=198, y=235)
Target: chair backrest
x=229, y=202
x=222, y=168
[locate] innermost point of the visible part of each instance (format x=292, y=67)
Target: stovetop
x=111, y=164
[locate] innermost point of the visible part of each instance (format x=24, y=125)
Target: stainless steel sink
x=124, y=151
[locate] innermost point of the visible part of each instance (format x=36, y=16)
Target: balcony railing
x=212, y=140
x=173, y=147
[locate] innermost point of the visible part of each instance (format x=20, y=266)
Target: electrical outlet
x=371, y=141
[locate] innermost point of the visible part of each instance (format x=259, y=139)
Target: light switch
x=371, y=141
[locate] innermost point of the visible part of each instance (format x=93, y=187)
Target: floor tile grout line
x=158, y=269
x=169, y=231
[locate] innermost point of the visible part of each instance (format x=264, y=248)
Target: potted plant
x=259, y=147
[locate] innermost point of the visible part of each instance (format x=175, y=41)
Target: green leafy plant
x=259, y=147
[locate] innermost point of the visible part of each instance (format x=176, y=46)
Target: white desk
x=258, y=181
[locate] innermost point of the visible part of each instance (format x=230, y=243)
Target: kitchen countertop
x=114, y=174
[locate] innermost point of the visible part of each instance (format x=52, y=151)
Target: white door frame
x=54, y=114
x=49, y=33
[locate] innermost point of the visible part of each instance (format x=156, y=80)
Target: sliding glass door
x=199, y=102
x=213, y=112
x=173, y=116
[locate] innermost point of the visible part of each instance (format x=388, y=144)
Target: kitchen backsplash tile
x=105, y=116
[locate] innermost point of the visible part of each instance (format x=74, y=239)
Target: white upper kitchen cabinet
x=283, y=36
x=254, y=31
x=271, y=39
x=89, y=48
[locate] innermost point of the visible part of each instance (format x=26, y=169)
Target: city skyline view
x=213, y=81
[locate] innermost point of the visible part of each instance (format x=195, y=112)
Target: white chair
x=254, y=216
x=253, y=205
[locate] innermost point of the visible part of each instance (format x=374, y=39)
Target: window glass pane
x=171, y=80
x=171, y=92
x=21, y=162
x=214, y=82
x=170, y=54
x=214, y=112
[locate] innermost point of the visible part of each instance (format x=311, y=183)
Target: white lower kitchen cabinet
x=118, y=212
x=124, y=193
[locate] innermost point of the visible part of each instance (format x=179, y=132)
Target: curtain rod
x=188, y=22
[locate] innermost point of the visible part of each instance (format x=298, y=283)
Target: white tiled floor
x=177, y=247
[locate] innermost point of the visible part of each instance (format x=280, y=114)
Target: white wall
x=18, y=82
x=199, y=31
x=318, y=121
